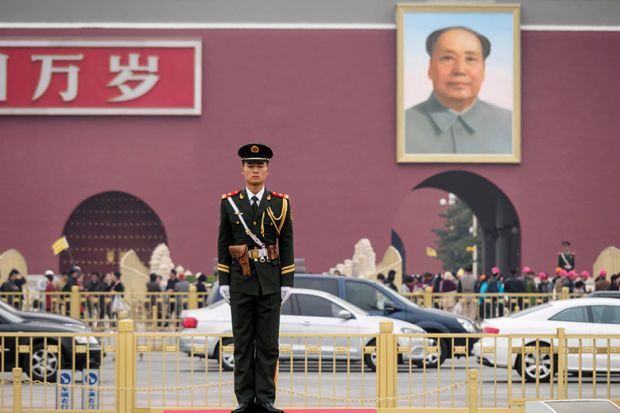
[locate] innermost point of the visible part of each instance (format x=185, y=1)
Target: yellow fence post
x=472, y=384
x=17, y=390
x=386, y=365
x=155, y=314
x=428, y=297
x=192, y=298
x=564, y=293
x=561, y=364
x=75, y=302
x=125, y=366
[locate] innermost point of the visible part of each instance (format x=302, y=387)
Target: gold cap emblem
x=254, y=149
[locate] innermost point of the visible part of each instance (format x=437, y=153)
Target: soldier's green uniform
x=566, y=258
x=272, y=223
x=255, y=299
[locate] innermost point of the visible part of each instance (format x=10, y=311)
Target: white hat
x=49, y=272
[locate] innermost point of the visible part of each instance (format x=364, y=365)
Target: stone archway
x=106, y=225
x=495, y=212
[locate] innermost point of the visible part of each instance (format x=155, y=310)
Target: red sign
x=299, y=410
x=100, y=77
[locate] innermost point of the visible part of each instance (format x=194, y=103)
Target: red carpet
x=304, y=410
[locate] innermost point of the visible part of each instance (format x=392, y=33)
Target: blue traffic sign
x=65, y=378
x=90, y=392
x=92, y=378
x=64, y=395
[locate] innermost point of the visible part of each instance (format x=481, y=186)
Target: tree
x=456, y=236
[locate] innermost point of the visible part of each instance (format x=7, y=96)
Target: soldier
x=566, y=258
x=256, y=267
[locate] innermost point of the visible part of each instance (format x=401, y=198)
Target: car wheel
x=534, y=366
x=370, y=359
x=434, y=359
x=228, y=359
x=43, y=366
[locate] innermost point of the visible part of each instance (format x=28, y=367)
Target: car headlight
x=467, y=325
x=86, y=340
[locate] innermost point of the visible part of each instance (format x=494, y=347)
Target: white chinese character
x=47, y=69
x=3, y=59
x=147, y=80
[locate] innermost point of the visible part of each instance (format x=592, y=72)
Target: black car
x=42, y=356
x=376, y=299
x=44, y=317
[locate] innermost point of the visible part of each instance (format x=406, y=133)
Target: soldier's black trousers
x=256, y=326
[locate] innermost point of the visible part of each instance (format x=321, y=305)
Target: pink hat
x=572, y=273
x=527, y=269
x=602, y=273
x=495, y=270
x=563, y=273
x=542, y=275
x=585, y=274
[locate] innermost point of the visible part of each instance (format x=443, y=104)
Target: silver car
x=320, y=322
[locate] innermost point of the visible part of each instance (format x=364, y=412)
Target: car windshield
x=347, y=305
x=7, y=307
x=398, y=296
x=213, y=294
x=10, y=316
x=215, y=304
x=529, y=310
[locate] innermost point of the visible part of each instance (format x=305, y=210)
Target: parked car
x=43, y=316
x=577, y=316
x=605, y=294
x=42, y=364
x=376, y=299
x=307, y=311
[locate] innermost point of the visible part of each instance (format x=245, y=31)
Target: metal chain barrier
x=375, y=400
x=116, y=388
x=230, y=383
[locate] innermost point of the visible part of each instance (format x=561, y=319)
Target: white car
x=307, y=311
x=577, y=316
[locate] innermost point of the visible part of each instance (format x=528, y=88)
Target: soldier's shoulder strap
x=230, y=194
x=279, y=195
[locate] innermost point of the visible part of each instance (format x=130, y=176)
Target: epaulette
x=279, y=195
x=228, y=195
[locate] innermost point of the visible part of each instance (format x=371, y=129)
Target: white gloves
x=225, y=292
x=285, y=292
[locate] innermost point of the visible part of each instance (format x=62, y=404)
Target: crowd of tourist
x=52, y=292
x=492, y=291
x=492, y=294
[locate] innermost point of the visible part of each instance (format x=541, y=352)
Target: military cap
x=255, y=152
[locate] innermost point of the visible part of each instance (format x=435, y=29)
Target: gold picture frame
x=471, y=114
